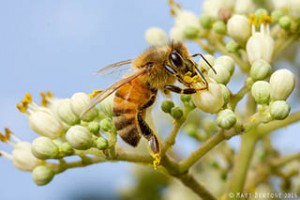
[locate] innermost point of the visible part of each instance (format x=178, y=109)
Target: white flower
x=42, y=175
x=176, y=34
x=43, y=122
x=282, y=84
x=260, y=45
x=210, y=100
x=279, y=110
x=294, y=8
x=261, y=92
x=64, y=112
x=44, y=148
x=212, y=7
x=239, y=28
x=156, y=36
x=244, y=6
x=222, y=76
x=260, y=70
x=23, y=158
x=184, y=19
x=226, y=119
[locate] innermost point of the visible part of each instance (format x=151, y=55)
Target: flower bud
x=66, y=149
x=101, y=143
x=219, y=27
x=294, y=8
x=185, y=98
x=167, y=105
x=222, y=76
x=206, y=21
x=239, y=28
x=232, y=46
x=260, y=69
x=261, y=12
x=191, y=32
x=43, y=122
x=79, y=102
x=261, y=92
x=279, y=110
x=203, y=64
x=185, y=19
x=276, y=15
x=244, y=7
x=213, y=7
x=210, y=100
x=227, y=62
x=94, y=127
x=176, y=113
x=177, y=34
x=79, y=137
x=64, y=112
x=44, y=148
x=23, y=158
x=285, y=22
x=225, y=93
x=282, y=84
x=156, y=36
x=226, y=119
x=106, y=124
x=42, y=175
x=191, y=130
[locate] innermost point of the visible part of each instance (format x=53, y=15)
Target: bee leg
x=179, y=90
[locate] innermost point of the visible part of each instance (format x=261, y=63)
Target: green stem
x=279, y=162
x=170, y=141
x=241, y=93
x=209, y=144
x=242, y=163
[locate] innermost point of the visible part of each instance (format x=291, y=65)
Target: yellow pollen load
x=95, y=93
x=156, y=160
x=189, y=79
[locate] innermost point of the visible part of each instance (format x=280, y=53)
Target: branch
x=275, y=163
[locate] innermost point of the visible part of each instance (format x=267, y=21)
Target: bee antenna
x=199, y=54
x=201, y=74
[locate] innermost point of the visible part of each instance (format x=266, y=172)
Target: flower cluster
x=63, y=132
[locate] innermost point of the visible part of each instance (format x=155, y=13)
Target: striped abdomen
x=129, y=102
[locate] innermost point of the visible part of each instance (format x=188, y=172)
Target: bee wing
x=115, y=65
x=101, y=96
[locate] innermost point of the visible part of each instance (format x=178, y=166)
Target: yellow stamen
x=265, y=19
x=95, y=93
x=253, y=19
x=5, y=137
x=45, y=97
x=28, y=98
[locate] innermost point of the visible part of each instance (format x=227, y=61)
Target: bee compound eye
x=176, y=59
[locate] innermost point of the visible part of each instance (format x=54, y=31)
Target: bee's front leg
x=179, y=90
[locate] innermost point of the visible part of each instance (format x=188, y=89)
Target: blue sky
x=57, y=45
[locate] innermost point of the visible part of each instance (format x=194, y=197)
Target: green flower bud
x=219, y=27
x=185, y=98
x=42, y=175
x=79, y=137
x=260, y=69
x=261, y=92
x=176, y=113
x=279, y=110
x=43, y=122
x=239, y=28
x=106, y=124
x=227, y=62
x=206, y=21
x=167, y=105
x=44, y=148
x=261, y=12
x=94, y=127
x=203, y=64
x=210, y=100
x=222, y=76
x=23, y=158
x=156, y=36
x=276, y=15
x=225, y=93
x=191, y=32
x=101, y=143
x=232, y=46
x=65, y=112
x=282, y=84
x=79, y=102
x=66, y=149
x=226, y=119
x=285, y=22
x=191, y=130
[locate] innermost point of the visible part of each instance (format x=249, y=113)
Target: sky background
x=57, y=45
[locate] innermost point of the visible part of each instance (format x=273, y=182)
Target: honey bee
x=155, y=69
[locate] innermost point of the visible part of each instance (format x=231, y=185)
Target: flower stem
x=242, y=163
